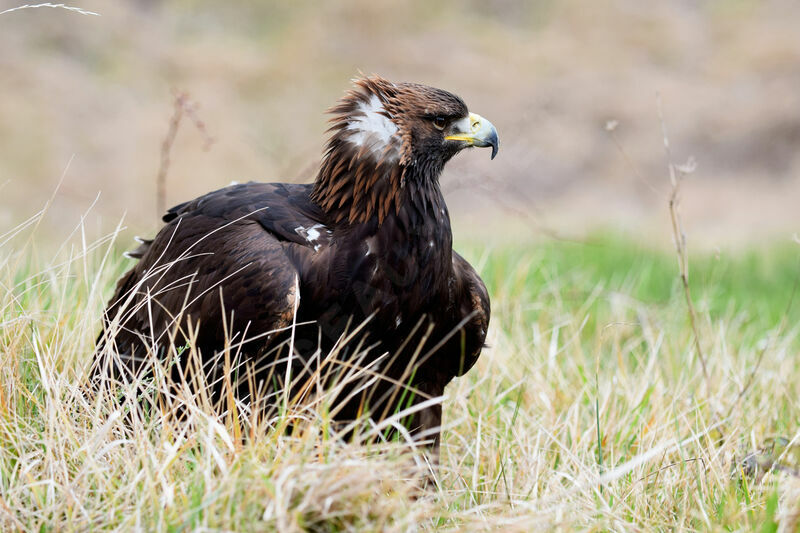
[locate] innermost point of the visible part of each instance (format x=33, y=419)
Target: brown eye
x=439, y=123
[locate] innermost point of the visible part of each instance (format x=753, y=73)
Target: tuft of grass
x=582, y=414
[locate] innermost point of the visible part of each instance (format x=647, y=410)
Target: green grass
x=756, y=285
x=588, y=411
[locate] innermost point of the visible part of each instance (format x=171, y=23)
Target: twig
x=47, y=4
x=497, y=191
x=182, y=105
x=676, y=173
x=781, y=326
x=611, y=130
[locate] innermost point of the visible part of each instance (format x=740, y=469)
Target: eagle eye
x=439, y=123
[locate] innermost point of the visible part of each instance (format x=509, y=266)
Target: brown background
x=98, y=91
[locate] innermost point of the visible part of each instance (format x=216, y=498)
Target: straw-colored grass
x=587, y=412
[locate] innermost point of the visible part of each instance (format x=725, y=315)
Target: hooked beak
x=475, y=131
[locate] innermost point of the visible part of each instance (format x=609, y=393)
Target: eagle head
x=386, y=135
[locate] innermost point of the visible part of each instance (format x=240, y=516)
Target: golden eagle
x=282, y=272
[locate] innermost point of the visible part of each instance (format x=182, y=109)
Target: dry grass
x=50, y=5
x=589, y=411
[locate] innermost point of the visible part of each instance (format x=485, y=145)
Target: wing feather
x=224, y=251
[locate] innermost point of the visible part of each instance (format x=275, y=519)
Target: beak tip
x=494, y=142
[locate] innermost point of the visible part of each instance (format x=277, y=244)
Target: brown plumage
x=272, y=265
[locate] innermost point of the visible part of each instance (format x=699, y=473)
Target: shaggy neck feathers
x=368, y=170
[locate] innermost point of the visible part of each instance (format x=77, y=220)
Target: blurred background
x=573, y=88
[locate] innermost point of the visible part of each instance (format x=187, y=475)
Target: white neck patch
x=372, y=127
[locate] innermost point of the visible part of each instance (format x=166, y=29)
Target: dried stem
x=182, y=105
x=676, y=174
x=55, y=6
